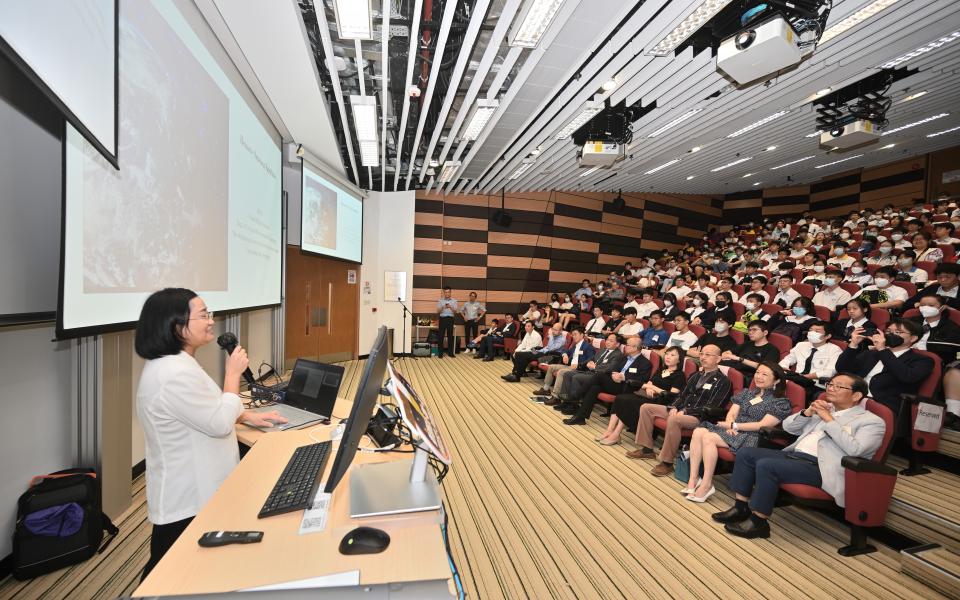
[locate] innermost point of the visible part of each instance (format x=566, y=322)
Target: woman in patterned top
x=750, y=410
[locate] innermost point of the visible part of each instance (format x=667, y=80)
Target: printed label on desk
x=315, y=517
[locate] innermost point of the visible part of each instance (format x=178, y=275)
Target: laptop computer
x=310, y=395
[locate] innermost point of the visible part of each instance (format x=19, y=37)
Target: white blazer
x=191, y=444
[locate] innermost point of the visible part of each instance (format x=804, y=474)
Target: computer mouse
x=364, y=540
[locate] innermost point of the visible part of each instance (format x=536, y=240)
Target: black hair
x=946, y=225
x=682, y=314
x=778, y=374
x=859, y=385
x=915, y=329
x=447, y=288
x=657, y=312
x=758, y=323
x=818, y=322
x=629, y=311
x=951, y=268
x=863, y=304
x=163, y=316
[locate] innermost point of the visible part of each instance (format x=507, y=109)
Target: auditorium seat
x=736, y=335
x=869, y=484
x=923, y=441
x=851, y=288
x=782, y=343
x=697, y=329
x=911, y=288
x=798, y=400
x=929, y=267
x=823, y=313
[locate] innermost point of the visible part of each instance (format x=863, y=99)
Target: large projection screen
x=68, y=48
x=331, y=219
x=198, y=201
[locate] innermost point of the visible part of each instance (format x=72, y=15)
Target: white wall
x=37, y=430
x=387, y=246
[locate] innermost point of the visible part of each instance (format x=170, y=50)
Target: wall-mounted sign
x=352, y=276
x=395, y=286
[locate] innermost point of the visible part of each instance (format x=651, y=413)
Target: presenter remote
x=212, y=539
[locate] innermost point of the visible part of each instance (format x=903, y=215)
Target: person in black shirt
x=615, y=319
x=720, y=337
x=748, y=355
x=858, y=311
x=626, y=406
x=946, y=286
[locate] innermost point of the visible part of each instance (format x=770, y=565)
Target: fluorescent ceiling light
x=523, y=168
x=911, y=97
x=609, y=85
x=759, y=123
x=533, y=21
x=663, y=166
x=814, y=134
x=369, y=153
x=915, y=123
x=689, y=177
x=588, y=172
x=951, y=130
x=589, y=111
x=770, y=148
x=449, y=168
x=837, y=162
x=757, y=182
x=479, y=117
x=736, y=162
x=703, y=13
x=824, y=91
x=888, y=146
x=365, y=124
x=855, y=19
x=676, y=121
x=747, y=175
x=695, y=149
x=354, y=19
x=792, y=162
x=921, y=50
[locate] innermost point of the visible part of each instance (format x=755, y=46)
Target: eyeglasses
x=204, y=316
x=837, y=386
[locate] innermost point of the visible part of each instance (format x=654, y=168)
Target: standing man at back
x=447, y=309
x=472, y=312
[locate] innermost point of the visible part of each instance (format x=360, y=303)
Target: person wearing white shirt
x=814, y=358
x=681, y=289
x=756, y=287
x=725, y=285
x=682, y=336
x=187, y=420
x=909, y=272
x=631, y=302
x=596, y=324
x=647, y=305
x=859, y=275
x=831, y=295
x=785, y=292
x=883, y=294
x=886, y=258
x=630, y=326
x=531, y=339
x=900, y=241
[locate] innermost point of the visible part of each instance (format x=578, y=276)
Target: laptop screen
x=314, y=386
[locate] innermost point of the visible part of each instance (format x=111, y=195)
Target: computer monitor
x=363, y=404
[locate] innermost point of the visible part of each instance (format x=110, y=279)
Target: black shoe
x=951, y=422
x=478, y=356
x=540, y=397
x=488, y=359
x=569, y=409
x=575, y=421
x=751, y=528
x=607, y=414
x=510, y=377
x=440, y=355
x=731, y=515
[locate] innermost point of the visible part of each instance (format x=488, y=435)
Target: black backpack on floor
x=59, y=523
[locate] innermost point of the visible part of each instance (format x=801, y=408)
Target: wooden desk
x=416, y=551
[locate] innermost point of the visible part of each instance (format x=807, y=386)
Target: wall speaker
x=618, y=204
x=501, y=218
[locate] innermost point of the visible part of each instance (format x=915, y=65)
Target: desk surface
x=416, y=550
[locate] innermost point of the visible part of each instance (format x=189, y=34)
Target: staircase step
x=926, y=507
x=935, y=566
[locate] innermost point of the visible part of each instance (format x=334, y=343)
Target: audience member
x=831, y=296
x=948, y=277
x=597, y=324
x=655, y=336
x=682, y=336
x=528, y=349
x=606, y=360
x=813, y=359
x=883, y=293
x=575, y=356
x=486, y=348
x=941, y=336
x=635, y=371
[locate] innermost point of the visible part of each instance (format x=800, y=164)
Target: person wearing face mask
x=815, y=276
x=719, y=337
x=839, y=257
x=900, y=240
x=887, y=362
x=670, y=308
x=697, y=304
x=831, y=296
x=812, y=359
x=722, y=307
x=859, y=275
x=785, y=292
x=909, y=271
x=794, y=323
x=946, y=286
x=940, y=335
x=883, y=294
x=885, y=255
x=754, y=312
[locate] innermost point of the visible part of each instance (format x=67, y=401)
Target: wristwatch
x=735, y=427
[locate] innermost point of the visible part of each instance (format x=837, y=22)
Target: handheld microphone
x=228, y=341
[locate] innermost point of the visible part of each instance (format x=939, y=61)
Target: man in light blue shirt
x=584, y=290
x=556, y=340
x=446, y=308
x=472, y=312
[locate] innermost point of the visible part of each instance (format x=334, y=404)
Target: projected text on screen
x=331, y=219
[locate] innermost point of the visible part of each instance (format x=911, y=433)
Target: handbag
x=681, y=466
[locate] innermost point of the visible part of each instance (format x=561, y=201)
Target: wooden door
x=322, y=309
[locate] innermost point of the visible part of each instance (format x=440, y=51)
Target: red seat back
x=697, y=330
x=823, y=313
x=738, y=309
x=888, y=419
x=736, y=335
x=797, y=397
x=689, y=368
x=804, y=289
x=911, y=289
x=782, y=343
x=735, y=377
x=928, y=266
x=851, y=288
x=669, y=327
x=653, y=357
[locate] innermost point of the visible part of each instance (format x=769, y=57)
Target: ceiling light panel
x=663, y=166
x=792, y=162
x=365, y=124
x=837, y=162
x=939, y=133
x=449, y=168
x=523, y=168
x=915, y=123
x=354, y=19
x=728, y=165
x=479, y=117
x=533, y=22
x=589, y=171
x=855, y=19
x=911, y=97
x=703, y=13
x=369, y=153
x=759, y=123
x=675, y=122
x=921, y=50
x=590, y=111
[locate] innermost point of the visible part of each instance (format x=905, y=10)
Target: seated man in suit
x=886, y=361
x=704, y=390
x=834, y=426
x=532, y=348
x=636, y=370
x=609, y=358
x=485, y=348
x=574, y=357
x=940, y=335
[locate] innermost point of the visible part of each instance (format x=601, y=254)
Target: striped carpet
x=538, y=510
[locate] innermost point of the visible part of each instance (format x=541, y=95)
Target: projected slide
x=331, y=219
x=197, y=201
x=69, y=46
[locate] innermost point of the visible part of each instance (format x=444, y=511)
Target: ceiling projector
x=849, y=135
x=759, y=51
x=601, y=154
